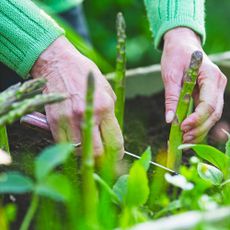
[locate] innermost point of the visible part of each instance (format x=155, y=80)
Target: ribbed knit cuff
x=26, y=31
x=166, y=15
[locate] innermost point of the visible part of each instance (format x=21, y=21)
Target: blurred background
x=140, y=52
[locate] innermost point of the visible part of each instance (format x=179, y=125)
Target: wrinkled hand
x=66, y=71
x=179, y=44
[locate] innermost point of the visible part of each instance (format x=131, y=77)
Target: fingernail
x=169, y=116
x=186, y=129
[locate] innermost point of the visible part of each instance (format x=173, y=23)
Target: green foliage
x=209, y=153
x=210, y=173
x=120, y=188
x=55, y=186
x=50, y=158
x=146, y=158
x=15, y=182
x=138, y=189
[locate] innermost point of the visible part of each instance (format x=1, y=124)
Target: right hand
x=179, y=44
x=66, y=70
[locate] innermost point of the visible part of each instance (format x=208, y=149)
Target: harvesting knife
x=38, y=120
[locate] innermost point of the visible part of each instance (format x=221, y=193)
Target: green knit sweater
x=58, y=6
x=167, y=14
x=25, y=32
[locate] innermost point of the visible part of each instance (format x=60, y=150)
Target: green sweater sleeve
x=26, y=31
x=167, y=14
x=58, y=6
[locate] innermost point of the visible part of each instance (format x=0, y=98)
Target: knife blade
x=39, y=121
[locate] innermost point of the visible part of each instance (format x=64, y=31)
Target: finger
x=172, y=92
x=63, y=128
x=197, y=140
x=201, y=114
x=97, y=141
x=207, y=125
x=112, y=135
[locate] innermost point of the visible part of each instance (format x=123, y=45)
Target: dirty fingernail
x=169, y=116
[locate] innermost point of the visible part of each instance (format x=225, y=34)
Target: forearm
x=166, y=15
x=26, y=32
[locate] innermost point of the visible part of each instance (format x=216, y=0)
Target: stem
x=4, y=143
x=89, y=193
x=30, y=213
x=119, y=80
x=175, y=136
x=107, y=188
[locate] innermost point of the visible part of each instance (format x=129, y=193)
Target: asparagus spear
x=19, y=92
x=119, y=80
x=4, y=143
x=20, y=108
x=175, y=136
x=89, y=192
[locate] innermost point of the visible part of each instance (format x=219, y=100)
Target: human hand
x=66, y=71
x=179, y=44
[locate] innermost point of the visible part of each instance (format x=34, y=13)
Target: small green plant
x=47, y=182
x=175, y=136
x=218, y=174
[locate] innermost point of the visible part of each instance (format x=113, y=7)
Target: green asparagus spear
x=119, y=80
x=4, y=143
x=20, y=108
x=19, y=92
x=175, y=137
x=89, y=192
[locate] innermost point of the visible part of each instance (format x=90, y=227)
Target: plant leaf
x=55, y=186
x=120, y=188
x=51, y=157
x=138, y=189
x=210, y=173
x=15, y=182
x=210, y=154
x=146, y=158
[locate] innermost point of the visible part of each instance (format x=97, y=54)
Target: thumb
x=172, y=83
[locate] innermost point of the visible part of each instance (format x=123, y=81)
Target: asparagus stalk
x=175, y=136
x=119, y=79
x=20, y=108
x=4, y=143
x=89, y=193
x=19, y=92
